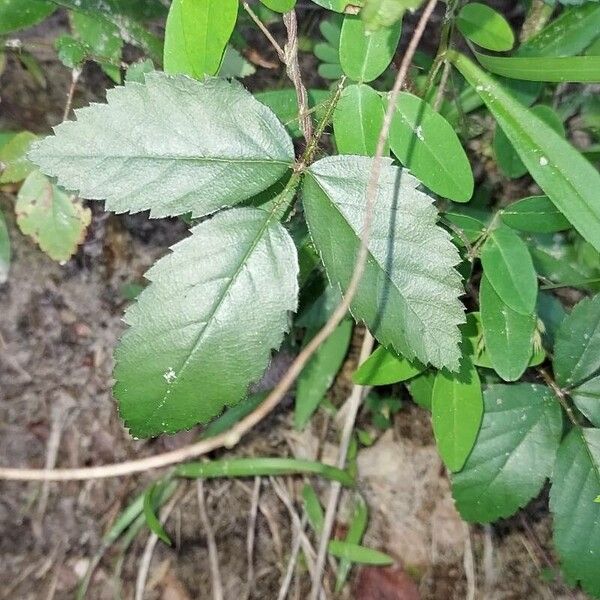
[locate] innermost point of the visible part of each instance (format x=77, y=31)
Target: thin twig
x=75, y=74
x=289, y=573
x=266, y=32
x=252, y=534
x=469, y=565
x=439, y=96
x=213, y=556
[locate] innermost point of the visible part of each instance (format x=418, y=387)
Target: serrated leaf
x=385, y=367
x=427, y=144
x=508, y=334
x=577, y=349
x=587, y=399
x=14, y=165
x=196, y=36
x=575, y=485
x=363, y=56
x=565, y=176
x=485, y=27
x=204, y=329
x=536, y=214
x=318, y=375
x=357, y=120
x=456, y=412
x=162, y=145
x=55, y=220
x=513, y=455
x=408, y=296
x=5, y=251
x=508, y=266
x=20, y=14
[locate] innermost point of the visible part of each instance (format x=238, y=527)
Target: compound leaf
x=173, y=145
x=575, y=488
x=485, y=27
x=408, y=296
x=577, y=349
x=536, y=214
x=513, y=455
x=204, y=329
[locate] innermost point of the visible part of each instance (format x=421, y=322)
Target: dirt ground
x=59, y=325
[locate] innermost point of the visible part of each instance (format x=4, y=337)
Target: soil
x=59, y=325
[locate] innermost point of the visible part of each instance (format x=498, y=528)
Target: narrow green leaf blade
x=313, y=508
x=485, y=27
x=318, y=375
x=408, y=296
x=358, y=554
x=356, y=530
x=151, y=519
x=385, y=367
x=508, y=334
x=508, y=266
x=197, y=34
x=536, y=214
x=567, y=178
x=457, y=410
x=427, y=144
x=575, y=485
x=216, y=307
x=513, y=455
x=577, y=349
x=365, y=56
x=162, y=145
x=587, y=399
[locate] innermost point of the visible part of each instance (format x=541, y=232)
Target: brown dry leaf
x=390, y=583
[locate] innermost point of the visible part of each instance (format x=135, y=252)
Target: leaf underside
x=205, y=327
x=173, y=145
x=408, y=296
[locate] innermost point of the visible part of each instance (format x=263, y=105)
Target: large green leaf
x=575, y=486
x=508, y=334
x=408, y=296
x=587, y=399
x=427, y=144
x=281, y=6
x=577, y=349
x=364, y=56
x=509, y=268
x=173, y=145
x=456, y=412
x=485, y=27
x=567, y=178
x=536, y=214
x=513, y=455
x=570, y=33
x=421, y=388
x=197, y=34
x=5, y=251
x=56, y=221
x=384, y=367
x=574, y=69
x=19, y=14
x=205, y=327
x=357, y=120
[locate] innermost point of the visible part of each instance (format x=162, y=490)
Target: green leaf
x=408, y=296
x=205, y=327
x=356, y=530
x=358, y=554
x=235, y=65
x=357, y=120
x=313, y=508
x=338, y=5
x=162, y=145
x=137, y=71
x=20, y=14
x=570, y=33
x=559, y=69
x=513, y=455
x=508, y=334
x=5, y=252
x=456, y=409
x=577, y=349
x=152, y=521
x=552, y=313
x=427, y=144
x=470, y=227
x=485, y=27
x=71, y=52
x=508, y=266
x=363, y=56
x=56, y=221
x=421, y=389
x=536, y=214
x=587, y=399
x=575, y=485
x=14, y=165
x=196, y=36
x=384, y=13
x=506, y=156
x=318, y=375
x=567, y=178
x=281, y=6
x=384, y=367
x=233, y=415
